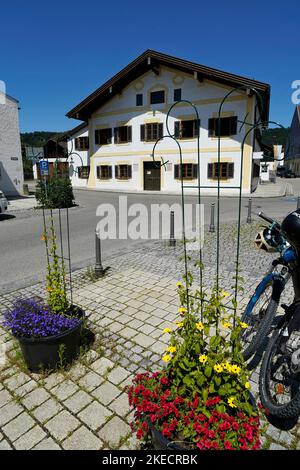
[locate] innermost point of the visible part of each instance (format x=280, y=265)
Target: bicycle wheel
x=279, y=379
x=258, y=315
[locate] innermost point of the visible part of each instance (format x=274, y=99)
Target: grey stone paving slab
x=18, y=426
x=30, y=439
x=9, y=412
x=5, y=445
x=143, y=340
x=78, y=401
x=47, y=444
x=62, y=425
x=5, y=397
x=120, y=405
x=94, y=415
x=47, y=410
x=64, y=390
x=82, y=439
x=90, y=381
x=117, y=375
x=114, y=431
x=35, y=398
x=102, y=365
x=106, y=393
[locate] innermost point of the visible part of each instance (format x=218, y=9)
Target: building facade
x=130, y=112
x=11, y=165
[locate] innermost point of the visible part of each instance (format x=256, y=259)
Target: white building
x=78, y=155
x=11, y=165
x=128, y=113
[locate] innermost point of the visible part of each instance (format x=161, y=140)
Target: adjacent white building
x=11, y=165
x=127, y=114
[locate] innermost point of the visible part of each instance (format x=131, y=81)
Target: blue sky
x=54, y=53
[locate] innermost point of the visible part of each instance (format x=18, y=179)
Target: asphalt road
x=22, y=253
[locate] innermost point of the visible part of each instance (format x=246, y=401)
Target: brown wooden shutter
x=160, y=130
x=110, y=172
x=210, y=170
x=233, y=125
x=230, y=170
x=129, y=171
x=129, y=133
x=116, y=171
x=142, y=132
x=76, y=143
x=177, y=129
x=97, y=137
x=196, y=127
x=195, y=171
x=109, y=136
x=176, y=172
x=212, y=127
x=116, y=135
x=98, y=172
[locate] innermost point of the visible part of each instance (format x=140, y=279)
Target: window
x=103, y=136
x=186, y=129
x=122, y=134
x=228, y=126
x=151, y=132
x=188, y=171
x=81, y=143
x=104, y=172
x=157, y=97
x=177, y=94
x=226, y=170
x=139, y=99
x=123, y=172
x=83, y=172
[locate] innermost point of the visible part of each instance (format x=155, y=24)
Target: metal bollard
x=298, y=202
x=212, y=219
x=99, y=271
x=172, y=241
x=249, y=219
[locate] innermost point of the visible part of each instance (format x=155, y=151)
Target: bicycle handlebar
x=268, y=219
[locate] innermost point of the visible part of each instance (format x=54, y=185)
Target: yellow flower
x=224, y=293
x=247, y=385
x=182, y=310
x=243, y=325
x=167, y=330
x=171, y=349
x=42, y=238
x=230, y=402
x=218, y=368
x=235, y=369
x=199, y=326
x=226, y=324
x=179, y=324
x=203, y=358
x=166, y=358
x=179, y=284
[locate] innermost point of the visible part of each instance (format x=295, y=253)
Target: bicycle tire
x=264, y=326
x=292, y=408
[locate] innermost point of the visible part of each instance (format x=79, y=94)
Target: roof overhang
x=151, y=60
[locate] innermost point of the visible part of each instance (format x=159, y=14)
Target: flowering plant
x=31, y=319
x=202, y=396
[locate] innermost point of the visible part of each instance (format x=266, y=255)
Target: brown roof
x=149, y=60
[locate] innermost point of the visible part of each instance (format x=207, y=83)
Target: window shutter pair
x=129, y=171
x=177, y=172
x=160, y=131
x=116, y=134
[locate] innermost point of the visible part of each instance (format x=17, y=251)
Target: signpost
x=44, y=168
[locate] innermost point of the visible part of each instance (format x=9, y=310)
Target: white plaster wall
x=11, y=165
x=79, y=157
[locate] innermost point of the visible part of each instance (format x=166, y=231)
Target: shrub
x=55, y=193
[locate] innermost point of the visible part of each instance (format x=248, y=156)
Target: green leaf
x=208, y=371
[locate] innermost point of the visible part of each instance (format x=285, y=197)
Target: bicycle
x=262, y=307
x=279, y=378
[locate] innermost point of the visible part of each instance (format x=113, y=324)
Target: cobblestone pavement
x=85, y=407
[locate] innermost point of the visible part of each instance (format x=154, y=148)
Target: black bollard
x=249, y=219
x=172, y=241
x=212, y=219
x=99, y=271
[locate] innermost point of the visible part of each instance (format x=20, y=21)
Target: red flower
x=227, y=445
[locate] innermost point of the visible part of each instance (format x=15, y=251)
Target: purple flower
x=31, y=319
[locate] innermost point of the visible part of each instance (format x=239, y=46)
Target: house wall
x=11, y=165
x=79, y=157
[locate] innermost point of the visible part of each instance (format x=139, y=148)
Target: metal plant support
x=248, y=128
x=62, y=227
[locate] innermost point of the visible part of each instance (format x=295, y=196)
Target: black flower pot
x=48, y=352
x=160, y=442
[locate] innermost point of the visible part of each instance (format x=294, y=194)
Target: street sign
x=44, y=168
